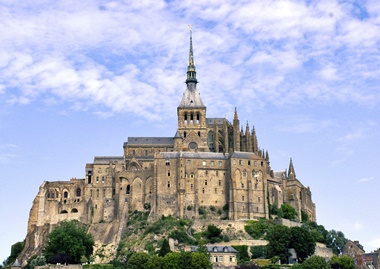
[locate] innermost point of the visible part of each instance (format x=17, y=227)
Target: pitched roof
x=195, y=155
x=191, y=98
x=148, y=141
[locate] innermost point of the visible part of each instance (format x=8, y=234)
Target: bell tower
x=191, y=111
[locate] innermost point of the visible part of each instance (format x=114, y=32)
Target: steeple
x=191, y=74
x=291, y=172
x=191, y=98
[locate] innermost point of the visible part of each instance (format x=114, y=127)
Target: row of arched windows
x=54, y=194
x=74, y=210
x=191, y=118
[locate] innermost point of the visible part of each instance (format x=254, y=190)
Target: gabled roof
x=149, y=141
x=216, y=249
x=195, y=155
x=107, y=159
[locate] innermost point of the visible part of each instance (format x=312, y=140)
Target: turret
x=291, y=171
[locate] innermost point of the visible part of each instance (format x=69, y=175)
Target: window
x=199, y=133
x=220, y=183
x=167, y=162
x=90, y=193
x=216, y=190
x=188, y=162
x=197, y=118
x=220, y=258
x=258, y=199
x=133, y=152
x=244, y=173
x=240, y=162
x=204, y=163
x=206, y=182
x=220, y=164
x=191, y=186
x=128, y=191
x=212, y=163
x=168, y=184
x=242, y=185
x=184, y=134
x=168, y=173
x=104, y=192
x=102, y=179
x=78, y=192
x=217, y=173
x=242, y=198
x=97, y=193
x=146, y=152
x=206, y=172
x=249, y=162
x=255, y=163
x=65, y=194
x=203, y=190
x=97, y=179
x=262, y=164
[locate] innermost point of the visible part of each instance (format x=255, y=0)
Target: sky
x=77, y=78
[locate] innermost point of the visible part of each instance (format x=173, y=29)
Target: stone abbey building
x=208, y=163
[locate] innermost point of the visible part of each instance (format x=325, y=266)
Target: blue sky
x=79, y=77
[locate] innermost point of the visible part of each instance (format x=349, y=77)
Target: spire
x=191, y=74
x=236, y=115
x=291, y=172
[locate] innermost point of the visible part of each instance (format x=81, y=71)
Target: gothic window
x=197, y=118
x=65, y=194
x=97, y=193
x=185, y=119
x=220, y=183
x=78, y=192
x=133, y=152
x=191, y=118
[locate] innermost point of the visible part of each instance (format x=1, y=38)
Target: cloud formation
x=116, y=57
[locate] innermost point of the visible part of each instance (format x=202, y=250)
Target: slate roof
x=217, y=249
x=210, y=121
x=195, y=155
x=243, y=155
x=150, y=141
x=191, y=97
x=107, y=159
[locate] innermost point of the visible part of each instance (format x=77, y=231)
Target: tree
x=138, y=260
x=336, y=240
x=213, y=233
x=38, y=261
x=68, y=242
x=288, y=212
x=171, y=260
x=342, y=262
x=155, y=262
x=315, y=262
x=302, y=241
x=242, y=255
x=200, y=260
x=279, y=238
x=165, y=248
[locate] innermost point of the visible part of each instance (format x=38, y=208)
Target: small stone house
x=221, y=256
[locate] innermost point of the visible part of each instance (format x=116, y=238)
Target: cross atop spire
x=191, y=74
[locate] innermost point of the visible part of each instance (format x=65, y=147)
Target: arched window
x=65, y=194
x=78, y=192
x=74, y=210
x=185, y=118
x=128, y=191
x=64, y=212
x=197, y=118
x=191, y=118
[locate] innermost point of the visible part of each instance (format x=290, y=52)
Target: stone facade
x=210, y=163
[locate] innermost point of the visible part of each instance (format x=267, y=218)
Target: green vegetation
x=258, y=229
x=315, y=262
x=242, y=256
x=342, y=262
x=68, y=243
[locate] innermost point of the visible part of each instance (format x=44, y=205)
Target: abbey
x=208, y=163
